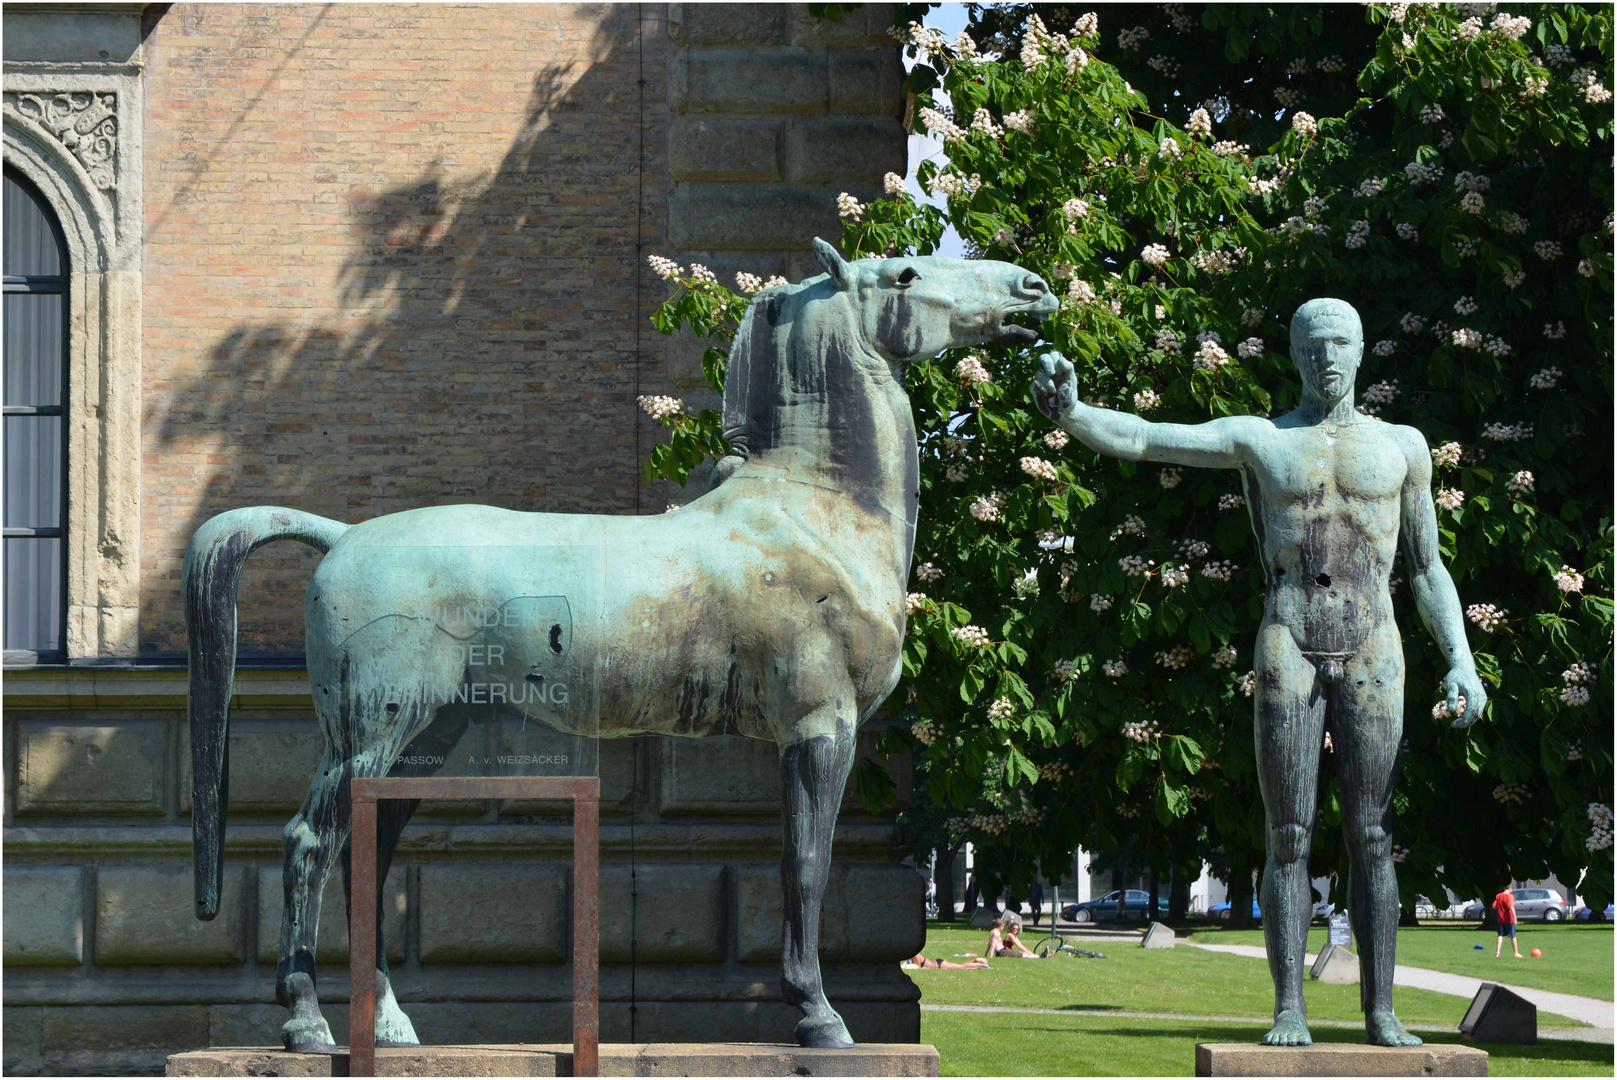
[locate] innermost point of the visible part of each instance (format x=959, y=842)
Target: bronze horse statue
x=772, y=606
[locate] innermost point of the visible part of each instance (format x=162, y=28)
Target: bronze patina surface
x=771, y=607
x=1332, y=493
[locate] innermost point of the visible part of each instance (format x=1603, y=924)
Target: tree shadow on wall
x=481, y=343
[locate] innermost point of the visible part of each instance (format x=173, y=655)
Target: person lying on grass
x=976, y=963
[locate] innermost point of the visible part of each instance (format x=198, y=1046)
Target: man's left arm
x=1435, y=596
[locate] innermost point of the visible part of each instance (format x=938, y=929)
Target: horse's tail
x=213, y=562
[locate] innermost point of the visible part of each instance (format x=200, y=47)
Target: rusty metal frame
x=584, y=791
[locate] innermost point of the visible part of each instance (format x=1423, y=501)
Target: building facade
x=356, y=259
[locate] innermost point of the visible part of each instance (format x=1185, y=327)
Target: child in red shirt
x=1504, y=906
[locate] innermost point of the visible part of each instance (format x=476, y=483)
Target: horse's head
x=916, y=307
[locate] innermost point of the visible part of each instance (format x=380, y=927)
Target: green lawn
x=1577, y=956
x=1183, y=981
x=1010, y=1044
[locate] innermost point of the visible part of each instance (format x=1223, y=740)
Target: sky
x=950, y=19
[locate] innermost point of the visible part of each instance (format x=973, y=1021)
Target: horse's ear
x=831, y=262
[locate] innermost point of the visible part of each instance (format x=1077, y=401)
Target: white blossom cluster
x=1465, y=305
x=1132, y=37
x=1250, y=349
x=1063, y=671
x=1399, y=854
x=1001, y=709
x=1056, y=440
x=849, y=207
x=1446, y=455
x=1303, y=124
x=1599, y=827
x=1020, y=120
x=1267, y=186
x=1486, y=616
x=929, y=572
x=1508, y=432
x=1229, y=148
x=1166, y=340
x=1372, y=187
x=1331, y=65
x=1170, y=148
x=987, y=507
x=1177, y=657
x=1512, y=279
x=1555, y=332
x=1510, y=26
x=1431, y=114
x=1214, y=261
x=1080, y=291
x=926, y=733
x=1220, y=570
x=1247, y=683
x=1470, y=181
x=1381, y=393
x=1141, y=731
x=1169, y=478
x=941, y=126
x=1472, y=203
x=748, y=283
x=1211, y=356
x=1054, y=771
x=1224, y=657
x=982, y=122
x=1191, y=550
x=1466, y=338
x=1441, y=711
x=972, y=635
x=1574, y=695
x=1114, y=669
x=1039, y=468
x=1574, y=752
x=922, y=37
x=1231, y=502
x=973, y=370
x=1412, y=324
x=1568, y=580
x=1579, y=672
x=1313, y=206
x=664, y=268
x=1586, y=268
x=1385, y=347
x=893, y=184
x=914, y=602
x=1087, y=26
x=1512, y=223
x=1155, y=254
x=949, y=184
x=1587, y=80
x=1099, y=603
x=660, y=406
x=1133, y=525
x=1406, y=231
x=1548, y=250
x=1511, y=793
x=1357, y=234
x=1135, y=565
x=1449, y=498
x=1201, y=124
x=1418, y=174
x=702, y=276
x=1558, y=55
x=1287, y=98
x=1520, y=483
x=955, y=473
x=1175, y=576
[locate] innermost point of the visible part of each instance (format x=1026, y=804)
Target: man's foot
x=1291, y=1029
x=1384, y=1029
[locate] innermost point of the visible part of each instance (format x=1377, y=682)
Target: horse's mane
x=764, y=371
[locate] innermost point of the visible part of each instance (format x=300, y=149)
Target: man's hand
x=1462, y=684
x=1055, y=387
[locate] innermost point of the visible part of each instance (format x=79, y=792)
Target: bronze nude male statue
x=1331, y=492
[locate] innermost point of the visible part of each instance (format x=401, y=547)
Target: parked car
x=1585, y=915
x=1136, y=903
x=1545, y=904
x=1323, y=911
x=1223, y=912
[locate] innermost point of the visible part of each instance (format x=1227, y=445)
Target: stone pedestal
x=556, y=1059
x=1339, y=1059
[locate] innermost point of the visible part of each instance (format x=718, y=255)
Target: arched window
x=35, y=378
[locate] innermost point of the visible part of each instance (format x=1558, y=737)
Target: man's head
x=1327, y=343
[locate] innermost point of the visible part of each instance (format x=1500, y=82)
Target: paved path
x=1589, y=1010
x=1591, y=1035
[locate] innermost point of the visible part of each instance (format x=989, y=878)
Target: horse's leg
x=309, y=843
x=814, y=772
x=424, y=756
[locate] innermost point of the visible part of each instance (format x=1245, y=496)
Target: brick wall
x=392, y=260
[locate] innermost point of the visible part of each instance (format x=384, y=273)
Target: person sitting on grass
x=1504, y=906
x=1003, y=939
x=976, y=963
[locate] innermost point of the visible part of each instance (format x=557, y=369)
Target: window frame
x=61, y=285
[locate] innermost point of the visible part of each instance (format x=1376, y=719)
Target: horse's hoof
x=308, y=1037
x=824, y=1034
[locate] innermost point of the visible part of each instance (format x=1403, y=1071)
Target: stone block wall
x=108, y=970
x=393, y=256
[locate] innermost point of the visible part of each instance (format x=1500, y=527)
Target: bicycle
x=1054, y=944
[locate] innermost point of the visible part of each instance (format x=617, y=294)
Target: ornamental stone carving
x=85, y=122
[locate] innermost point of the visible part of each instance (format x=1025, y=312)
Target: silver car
x=1545, y=904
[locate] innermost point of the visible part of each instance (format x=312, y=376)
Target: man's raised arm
x=1217, y=444
x=1435, y=597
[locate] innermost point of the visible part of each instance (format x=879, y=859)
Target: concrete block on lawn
x=1339, y=1059
x=1498, y=1015
x=1337, y=966
x=1158, y=936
